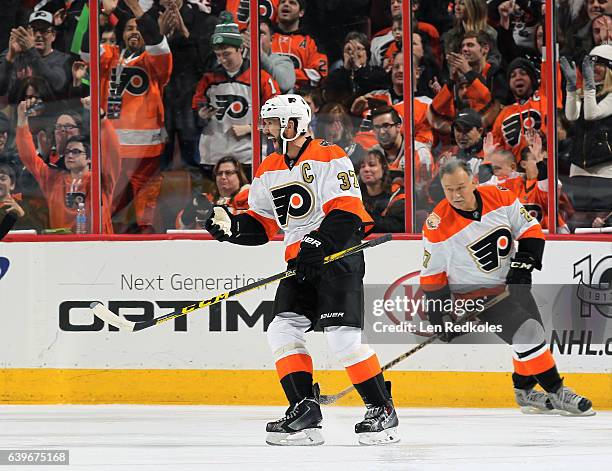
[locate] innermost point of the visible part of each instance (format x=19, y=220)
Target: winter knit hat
x=527, y=66
x=227, y=32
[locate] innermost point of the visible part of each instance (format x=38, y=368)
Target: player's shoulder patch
x=433, y=221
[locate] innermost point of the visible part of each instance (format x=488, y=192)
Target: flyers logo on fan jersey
x=266, y=9
x=489, y=250
x=134, y=80
x=516, y=124
x=235, y=106
x=294, y=201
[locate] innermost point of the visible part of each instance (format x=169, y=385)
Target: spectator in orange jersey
x=64, y=189
x=132, y=81
x=231, y=190
x=310, y=64
x=383, y=39
x=474, y=83
x=387, y=207
x=527, y=112
x=396, y=45
x=526, y=184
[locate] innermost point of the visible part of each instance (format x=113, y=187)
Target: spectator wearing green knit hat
x=222, y=100
x=226, y=33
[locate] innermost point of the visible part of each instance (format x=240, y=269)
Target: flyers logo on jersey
x=266, y=9
x=297, y=63
x=511, y=127
x=235, y=106
x=488, y=251
x=292, y=201
x=134, y=80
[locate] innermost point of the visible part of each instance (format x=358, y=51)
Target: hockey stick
x=113, y=319
x=331, y=398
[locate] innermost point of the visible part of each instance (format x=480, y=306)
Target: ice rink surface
x=179, y=438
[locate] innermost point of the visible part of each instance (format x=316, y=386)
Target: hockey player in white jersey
x=310, y=190
x=469, y=253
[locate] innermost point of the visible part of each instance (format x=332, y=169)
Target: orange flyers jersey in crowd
x=240, y=11
x=422, y=128
x=297, y=199
x=310, y=64
x=476, y=94
x=140, y=81
x=463, y=251
x=423, y=139
x=532, y=194
x=231, y=98
x=513, y=120
x=55, y=183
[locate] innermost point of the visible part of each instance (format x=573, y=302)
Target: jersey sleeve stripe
x=268, y=224
x=534, y=231
x=350, y=204
x=433, y=282
x=292, y=250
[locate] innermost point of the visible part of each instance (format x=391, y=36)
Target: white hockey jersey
x=468, y=254
x=297, y=199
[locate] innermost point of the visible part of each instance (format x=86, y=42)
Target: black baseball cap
x=467, y=119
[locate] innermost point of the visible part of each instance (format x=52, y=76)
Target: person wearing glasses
x=387, y=125
x=31, y=53
x=231, y=190
x=10, y=210
x=65, y=188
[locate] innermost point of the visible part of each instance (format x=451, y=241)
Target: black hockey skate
x=301, y=425
x=379, y=425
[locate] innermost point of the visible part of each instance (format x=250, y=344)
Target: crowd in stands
x=176, y=111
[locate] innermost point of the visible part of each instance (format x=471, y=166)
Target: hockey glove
x=309, y=262
x=519, y=275
x=220, y=223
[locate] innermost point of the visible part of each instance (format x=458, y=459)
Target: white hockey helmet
x=602, y=53
x=285, y=107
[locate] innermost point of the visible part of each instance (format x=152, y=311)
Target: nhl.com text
x=414, y=309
